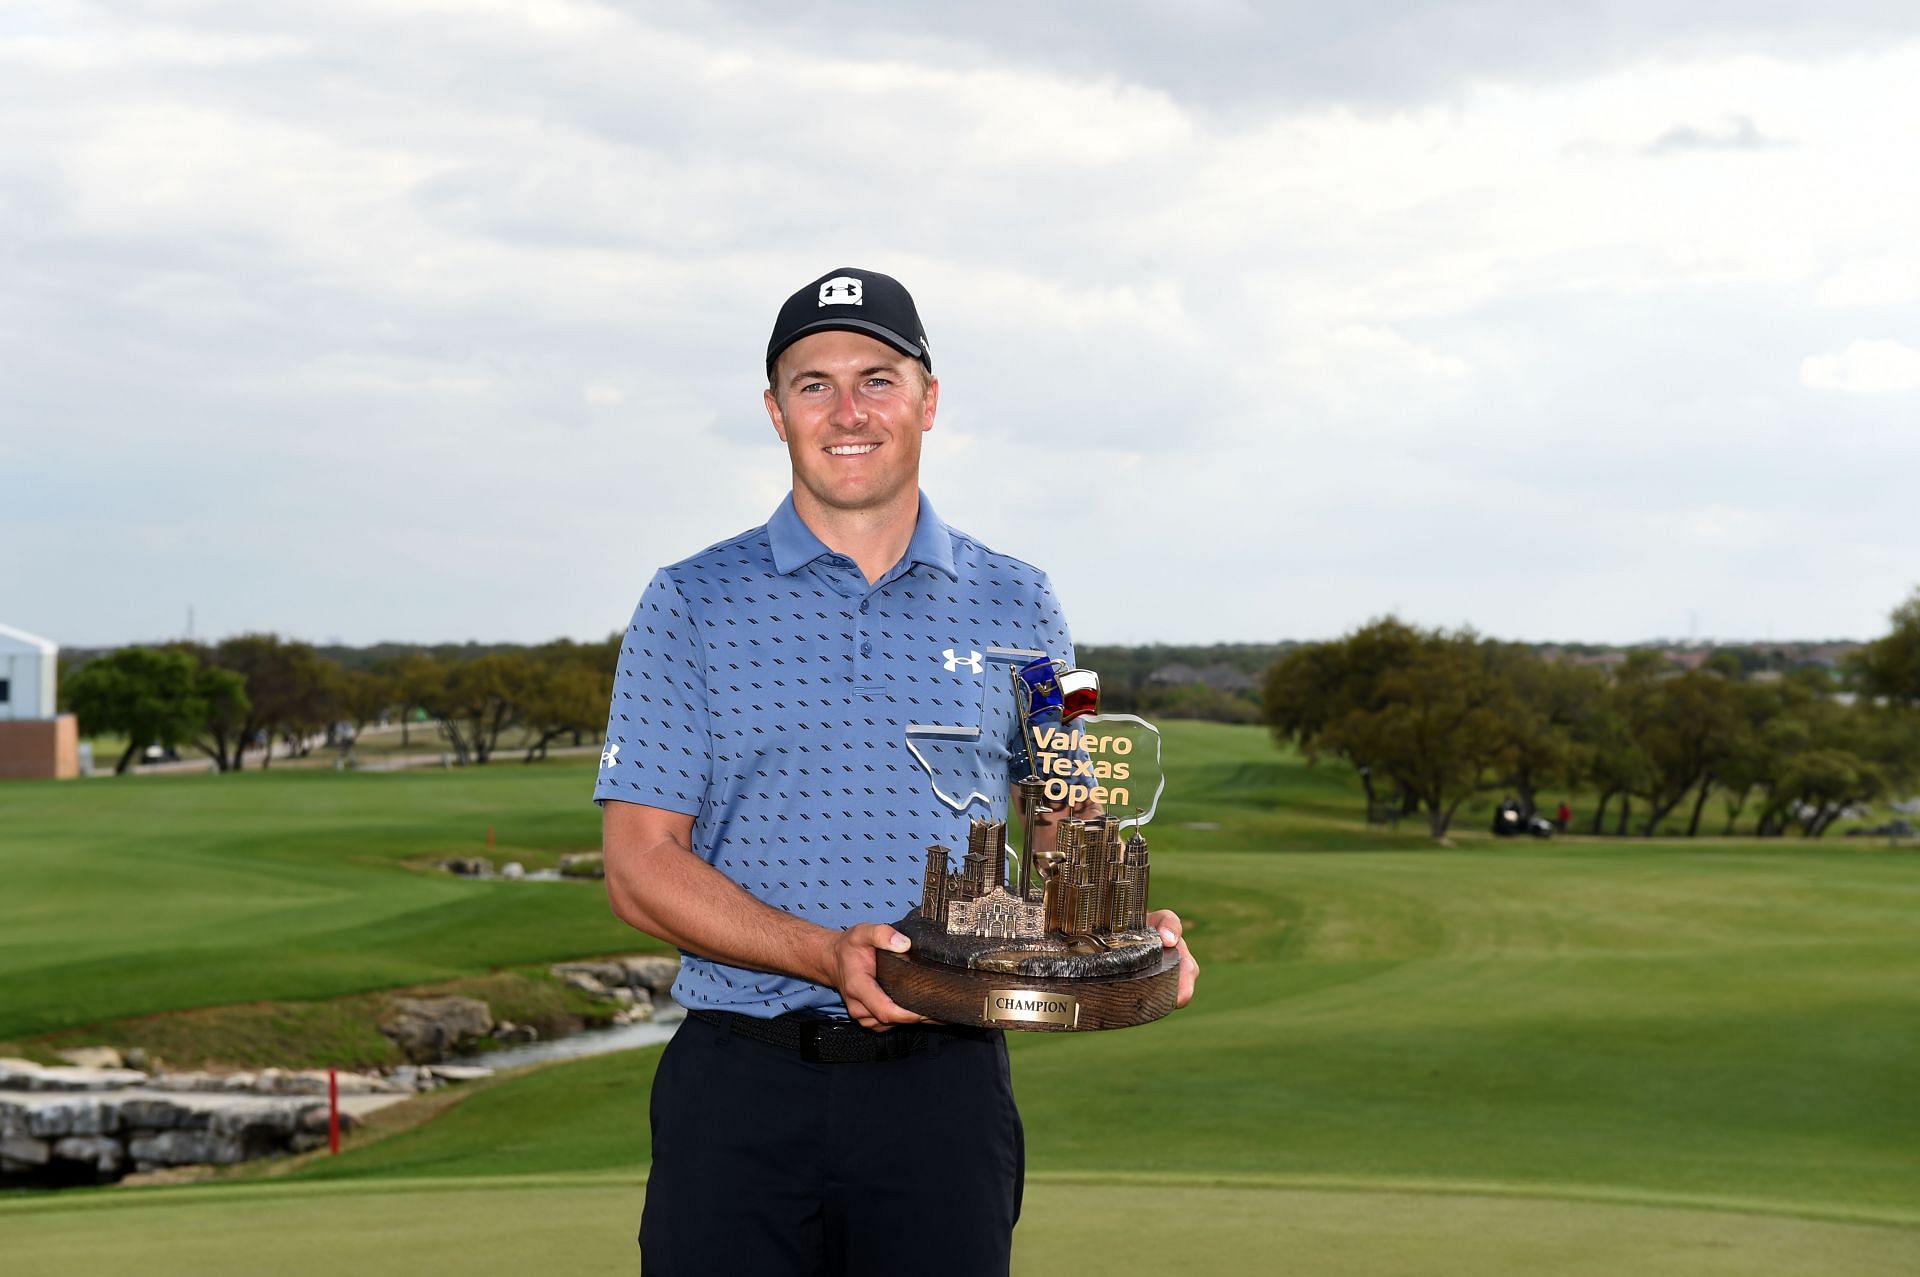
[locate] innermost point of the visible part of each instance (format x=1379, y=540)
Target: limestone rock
x=150, y=1115
x=81, y=1115
x=469, y=866
x=25, y=1150
x=583, y=981
x=93, y=1057
x=182, y=1148
x=429, y=1029
x=103, y=1151
x=654, y=974
x=583, y=864
x=24, y=1075
x=461, y=1072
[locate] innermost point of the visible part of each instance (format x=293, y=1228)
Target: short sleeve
x=1051, y=634
x=658, y=750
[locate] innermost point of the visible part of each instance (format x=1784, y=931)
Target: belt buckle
x=810, y=1041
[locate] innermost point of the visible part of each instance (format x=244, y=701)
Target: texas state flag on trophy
x=1079, y=694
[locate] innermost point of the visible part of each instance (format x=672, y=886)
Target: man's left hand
x=1167, y=923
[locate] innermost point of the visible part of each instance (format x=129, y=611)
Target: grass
x=340, y=1032
x=585, y=1225
x=134, y=896
x=1577, y=1056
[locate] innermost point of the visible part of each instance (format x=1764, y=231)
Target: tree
x=476, y=700
x=1685, y=725
x=1889, y=667
x=287, y=693
x=1319, y=684
x=362, y=696
x=566, y=694
x=153, y=697
x=1425, y=708
x=1549, y=705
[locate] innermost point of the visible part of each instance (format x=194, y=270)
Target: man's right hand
x=853, y=960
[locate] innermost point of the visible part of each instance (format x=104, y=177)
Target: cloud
x=1864, y=368
x=439, y=319
x=1740, y=133
x=1882, y=281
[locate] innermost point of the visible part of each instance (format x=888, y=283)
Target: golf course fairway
x=1580, y=1056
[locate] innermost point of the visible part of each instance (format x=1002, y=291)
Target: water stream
x=576, y=1046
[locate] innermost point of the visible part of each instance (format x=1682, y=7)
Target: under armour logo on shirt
x=971, y=660
x=843, y=290
x=609, y=756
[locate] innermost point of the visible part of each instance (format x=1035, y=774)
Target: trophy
x=1042, y=923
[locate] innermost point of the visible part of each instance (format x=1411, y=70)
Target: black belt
x=820, y=1040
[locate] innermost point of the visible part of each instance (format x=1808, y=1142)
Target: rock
x=307, y=1142
x=258, y=1127
x=26, y=1150
x=136, y=1057
x=314, y=1119
x=92, y=1057
x=583, y=864
x=16, y=1073
x=186, y=1082
x=509, y=1032
x=150, y=1115
x=624, y=996
x=102, y=1151
x=513, y=869
x=654, y=974
x=468, y=866
x=461, y=1072
x=182, y=1148
x=406, y=1077
x=78, y=1116
x=240, y=1082
x=428, y=1029
x=24, y=1075
x=585, y=983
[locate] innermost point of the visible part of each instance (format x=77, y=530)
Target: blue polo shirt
x=764, y=688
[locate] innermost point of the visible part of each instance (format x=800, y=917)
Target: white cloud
x=1882, y=281
x=1335, y=345
x=1864, y=368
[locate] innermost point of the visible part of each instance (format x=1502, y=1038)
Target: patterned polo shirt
x=764, y=688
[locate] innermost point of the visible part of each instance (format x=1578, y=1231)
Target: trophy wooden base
x=998, y=1000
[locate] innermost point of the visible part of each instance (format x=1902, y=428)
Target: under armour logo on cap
x=971, y=660
x=843, y=290
x=867, y=302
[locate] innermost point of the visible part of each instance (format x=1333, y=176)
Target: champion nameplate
x=1024, y=1006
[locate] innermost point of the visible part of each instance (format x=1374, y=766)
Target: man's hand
x=853, y=962
x=1167, y=923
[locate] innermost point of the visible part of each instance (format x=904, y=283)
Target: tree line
x=246, y=693
x=1431, y=717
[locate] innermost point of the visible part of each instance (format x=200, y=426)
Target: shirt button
x=866, y=649
x=863, y=605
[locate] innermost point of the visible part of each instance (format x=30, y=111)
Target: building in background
x=36, y=741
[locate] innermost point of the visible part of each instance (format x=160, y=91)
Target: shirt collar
x=795, y=545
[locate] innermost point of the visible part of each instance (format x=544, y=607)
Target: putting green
x=584, y=1225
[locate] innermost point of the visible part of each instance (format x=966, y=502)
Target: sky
x=427, y=321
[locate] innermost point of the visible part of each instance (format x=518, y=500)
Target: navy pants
x=766, y=1164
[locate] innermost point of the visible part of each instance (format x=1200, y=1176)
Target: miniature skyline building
x=1093, y=884
x=1098, y=885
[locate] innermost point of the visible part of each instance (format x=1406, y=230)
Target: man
x=762, y=814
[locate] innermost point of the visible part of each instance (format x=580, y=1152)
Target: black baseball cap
x=852, y=300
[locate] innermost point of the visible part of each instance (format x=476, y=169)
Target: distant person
x=1562, y=816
